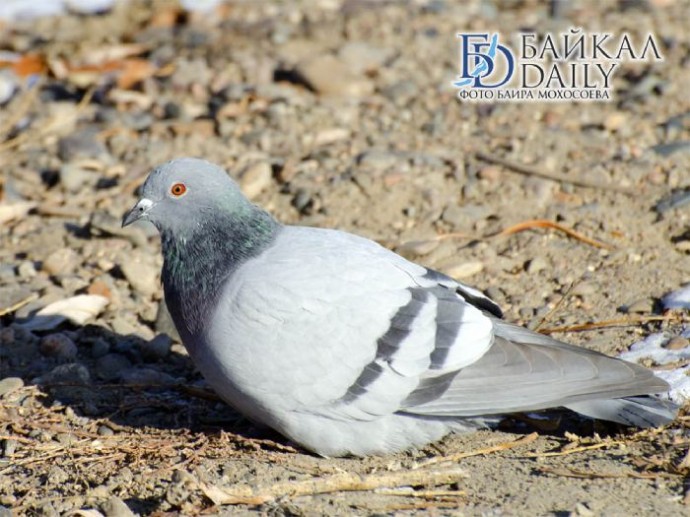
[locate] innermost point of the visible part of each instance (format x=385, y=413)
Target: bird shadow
x=123, y=380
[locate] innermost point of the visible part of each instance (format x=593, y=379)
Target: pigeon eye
x=178, y=189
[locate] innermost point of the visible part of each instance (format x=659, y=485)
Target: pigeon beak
x=141, y=209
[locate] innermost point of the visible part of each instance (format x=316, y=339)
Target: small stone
x=61, y=262
x=256, y=178
x=146, y=376
x=490, y=173
x=9, y=447
x=104, y=430
x=363, y=57
x=57, y=476
x=116, y=507
x=142, y=276
x=72, y=373
x=58, y=345
x=99, y=348
x=328, y=75
x=82, y=144
x=460, y=269
x=74, y=177
x=158, y=348
x=124, y=327
x=110, y=366
x=641, y=306
x=26, y=270
x=7, y=273
x=582, y=510
x=302, y=201
x=378, y=161
x=418, y=248
x=536, y=265
x=615, y=121
x=164, y=323
x=13, y=294
x=10, y=384
x=677, y=343
x=101, y=288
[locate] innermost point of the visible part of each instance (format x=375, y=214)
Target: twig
x=345, y=482
x=544, y=223
x=496, y=448
x=574, y=450
x=581, y=474
x=18, y=305
x=555, y=308
x=528, y=170
x=619, y=322
x=22, y=109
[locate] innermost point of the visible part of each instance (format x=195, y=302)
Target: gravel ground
x=334, y=114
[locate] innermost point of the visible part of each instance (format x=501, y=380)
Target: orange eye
x=178, y=189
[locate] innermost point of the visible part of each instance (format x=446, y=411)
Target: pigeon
x=345, y=347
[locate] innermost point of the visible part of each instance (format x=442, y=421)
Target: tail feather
x=633, y=411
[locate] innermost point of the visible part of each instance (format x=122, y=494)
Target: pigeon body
x=346, y=347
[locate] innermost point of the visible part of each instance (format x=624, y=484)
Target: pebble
x=7, y=273
x=536, y=265
x=72, y=373
x=110, y=366
x=677, y=343
x=74, y=177
x=256, y=178
x=418, y=248
x=104, y=430
x=142, y=276
x=61, y=262
x=99, y=348
x=158, y=348
x=10, y=384
x=164, y=323
x=146, y=376
x=328, y=75
x=13, y=294
x=124, y=327
x=362, y=57
x=82, y=144
x=9, y=448
x=460, y=269
x=641, y=306
x=26, y=270
x=116, y=507
x=58, y=345
x=378, y=161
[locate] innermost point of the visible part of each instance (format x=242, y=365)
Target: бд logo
x=571, y=66
x=479, y=56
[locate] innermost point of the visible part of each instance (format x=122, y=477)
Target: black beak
x=141, y=209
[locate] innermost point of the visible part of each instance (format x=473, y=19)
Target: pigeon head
x=178, y=195
x=208, y=229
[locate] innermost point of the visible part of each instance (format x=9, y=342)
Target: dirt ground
x=335, y=114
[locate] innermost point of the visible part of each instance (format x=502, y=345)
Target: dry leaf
x=25, y=65
x=77, y=309
x=134, y=71
x=11, y=211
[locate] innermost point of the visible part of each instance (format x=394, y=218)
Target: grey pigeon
x=344, y=346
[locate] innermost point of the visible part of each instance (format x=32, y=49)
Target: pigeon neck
x=201, y=258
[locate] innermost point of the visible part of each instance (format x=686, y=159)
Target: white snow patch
x=652, y=347
x=679, y=299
